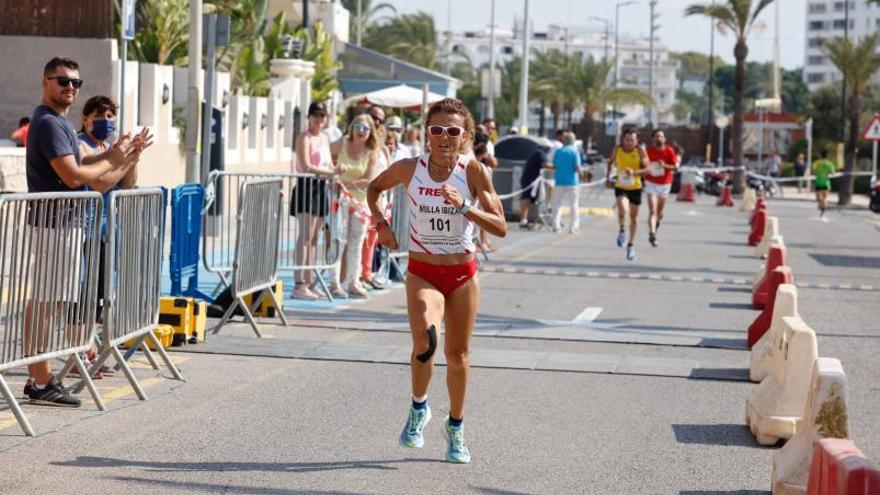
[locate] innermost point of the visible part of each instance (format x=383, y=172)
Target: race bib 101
x=440, y=225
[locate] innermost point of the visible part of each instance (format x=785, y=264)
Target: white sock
x=420, y=399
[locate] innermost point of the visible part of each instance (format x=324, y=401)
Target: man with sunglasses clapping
x=54, y=164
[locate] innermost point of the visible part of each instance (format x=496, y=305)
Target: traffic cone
x=726, y=198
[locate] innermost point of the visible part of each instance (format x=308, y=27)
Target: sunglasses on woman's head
x=63, y=81
x=361, y=127
x=451, y=131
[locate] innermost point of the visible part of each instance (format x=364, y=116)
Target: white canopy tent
x=401, y=96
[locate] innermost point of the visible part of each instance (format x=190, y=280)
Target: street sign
x=722, y=121
x=872, y=132
x=610, y=128
x=128, y=19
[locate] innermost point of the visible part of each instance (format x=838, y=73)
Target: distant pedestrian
x=536, y=162
x=19, y=135
x=775, y=164
x=412, y=140
x=822, y=171
x=568, y=168
x=800, y=169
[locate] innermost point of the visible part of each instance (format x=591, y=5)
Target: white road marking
x=587, y=315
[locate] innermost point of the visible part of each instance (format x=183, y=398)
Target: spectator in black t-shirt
x=531, y=171
x=54, y=165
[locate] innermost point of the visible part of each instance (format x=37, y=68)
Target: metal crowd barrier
x=399, y=219
x=186, y=227
x=256, y=256
x=309, y=237
x=49, y=252
x=132, y=275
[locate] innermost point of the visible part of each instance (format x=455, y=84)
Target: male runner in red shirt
x=662, y=163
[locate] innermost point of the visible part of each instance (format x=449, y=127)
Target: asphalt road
x=243, y=423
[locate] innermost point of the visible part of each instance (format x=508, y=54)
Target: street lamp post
x=654, y=27
x=607, y=33
x=524, y=77
x=617, y=57
x=490, y=106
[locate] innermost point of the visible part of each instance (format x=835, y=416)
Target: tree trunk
x=555, y=110
x=568, y=118
x=741, y=51
x=847, y=182
x=541, y=128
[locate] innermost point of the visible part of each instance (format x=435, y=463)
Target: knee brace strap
x=432, y=345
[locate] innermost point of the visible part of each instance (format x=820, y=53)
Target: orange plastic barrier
x=687, y=194
x=840, y=468
x=775, y=259
x=758, y=227
x=726, y=198
x=758, y=207
x=780, y=275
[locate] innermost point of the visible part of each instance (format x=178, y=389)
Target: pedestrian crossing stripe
x=663, y=278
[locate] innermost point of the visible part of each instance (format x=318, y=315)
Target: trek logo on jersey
x=430, y=191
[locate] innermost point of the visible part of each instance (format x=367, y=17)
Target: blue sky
x=677, y=32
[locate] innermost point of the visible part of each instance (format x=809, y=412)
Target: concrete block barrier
x=763, y=351
x=749, y=200
x=776, y=406
x=780, y=275
x=771, y=229
x=824, y=417
x=775, y=259
x=840, y=468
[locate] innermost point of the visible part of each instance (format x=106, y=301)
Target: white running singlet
x=436, y=227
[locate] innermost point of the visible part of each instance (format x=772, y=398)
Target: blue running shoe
x=457, y=451
x=411, y=436
x=621, y=238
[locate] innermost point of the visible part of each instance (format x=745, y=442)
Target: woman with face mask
x=95, y=138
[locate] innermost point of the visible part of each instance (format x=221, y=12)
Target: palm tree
x=369, y=14
x=163, y=31
x=546, y=68
x=589, y=80
x=738, y=16
x=409, y=37
x=858, y=62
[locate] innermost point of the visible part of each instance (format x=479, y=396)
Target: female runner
x=445, y=190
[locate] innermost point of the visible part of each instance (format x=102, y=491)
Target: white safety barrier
x=310, y=235
x=774, y=408
x=771, y=230
x=49, y=252
x=134, y=245
x=824, y=416
x=749, y=200
x=763, y=352
x=255, y=264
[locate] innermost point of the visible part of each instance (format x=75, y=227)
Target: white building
x=633, y=70
x=826, y=19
